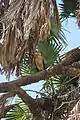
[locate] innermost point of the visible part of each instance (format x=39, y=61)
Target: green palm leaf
x=20, y=112
x=68, y=8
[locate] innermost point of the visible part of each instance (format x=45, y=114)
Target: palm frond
x=26, y=67
x=51, y=48
x=62, y=83
x=50, y=52
x=20, y=112
x=57, y=34
x=68, y=8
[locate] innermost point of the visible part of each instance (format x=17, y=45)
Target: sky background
x=72, y=34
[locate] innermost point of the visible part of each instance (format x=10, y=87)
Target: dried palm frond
x=75, y=113
x=26, y=22
x=55, y=13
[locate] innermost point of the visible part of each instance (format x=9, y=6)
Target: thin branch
x=41, y=93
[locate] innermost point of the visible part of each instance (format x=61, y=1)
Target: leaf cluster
x=68, y=8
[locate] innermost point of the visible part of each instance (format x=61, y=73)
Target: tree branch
x=32, y=103
x=56, y=70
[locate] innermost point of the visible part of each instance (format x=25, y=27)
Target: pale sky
x=73, y=36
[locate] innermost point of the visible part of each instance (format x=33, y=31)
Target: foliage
x=54, y=84
x=68, y=8
x=20, y=112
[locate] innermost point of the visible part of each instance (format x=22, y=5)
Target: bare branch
x=32, y=103
x=56, y=70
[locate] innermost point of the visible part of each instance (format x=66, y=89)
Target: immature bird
x=39, y=62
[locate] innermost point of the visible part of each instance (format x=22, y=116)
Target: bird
x=39, y=61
